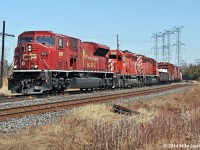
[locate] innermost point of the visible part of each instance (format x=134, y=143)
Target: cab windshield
x=46, y=40
x=112, y=56
x=27, y=39
x=119, y=57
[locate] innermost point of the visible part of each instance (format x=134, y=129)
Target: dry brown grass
x=172, y=119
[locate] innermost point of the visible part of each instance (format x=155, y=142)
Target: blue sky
x=100, y=21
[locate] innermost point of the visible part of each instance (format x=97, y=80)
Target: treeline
x=192, y=73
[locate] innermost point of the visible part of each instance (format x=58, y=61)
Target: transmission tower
x=163, y=47
x=168, y=46
x=178, y=43
x=156, y=38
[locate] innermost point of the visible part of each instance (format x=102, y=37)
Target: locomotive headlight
x=10, y=77
x=36, y=66
x=29, y=48
x=15, y=66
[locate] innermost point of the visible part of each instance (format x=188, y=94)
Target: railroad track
x=57, y=106
x=15, y=98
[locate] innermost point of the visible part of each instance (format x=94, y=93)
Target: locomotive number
x=44, y=53
x=23, y=63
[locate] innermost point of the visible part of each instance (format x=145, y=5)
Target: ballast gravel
x=71, y=97
x=17, y=124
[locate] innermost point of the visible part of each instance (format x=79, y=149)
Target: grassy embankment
x=172, y=119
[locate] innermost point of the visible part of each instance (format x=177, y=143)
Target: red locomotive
x=131, y=69
x=46, y=62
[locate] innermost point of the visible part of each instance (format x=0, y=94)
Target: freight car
x=164, y=76
x=47, y=62
x=169, y=73
x=177, y=74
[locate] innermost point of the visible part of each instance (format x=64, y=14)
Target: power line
x=197, y=61
x=165, y=44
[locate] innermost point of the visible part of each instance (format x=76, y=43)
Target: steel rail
x=61, y=105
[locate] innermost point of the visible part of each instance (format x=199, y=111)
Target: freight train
x=47, y=62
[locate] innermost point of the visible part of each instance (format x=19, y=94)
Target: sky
x=100, y=21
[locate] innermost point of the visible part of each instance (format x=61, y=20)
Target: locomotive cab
x=32, y=50
x=115, y=61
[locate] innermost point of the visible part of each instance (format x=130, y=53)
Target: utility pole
x=178, y=43
x=117, y=42
x=2, y=54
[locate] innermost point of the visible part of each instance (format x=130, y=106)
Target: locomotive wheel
x=44, y=94
x=62, y=91
x=53, y=92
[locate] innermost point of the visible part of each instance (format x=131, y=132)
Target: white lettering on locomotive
x=29, y=56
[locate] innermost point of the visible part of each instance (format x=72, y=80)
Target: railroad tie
x=123, y=110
